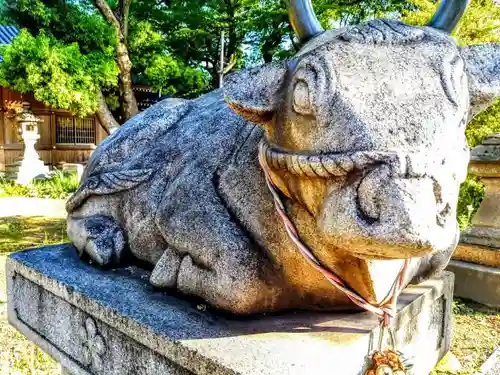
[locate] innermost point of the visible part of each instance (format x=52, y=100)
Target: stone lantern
x=31, y=166
x=476, y=261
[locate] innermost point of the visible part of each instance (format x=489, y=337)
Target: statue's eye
x=301, y=98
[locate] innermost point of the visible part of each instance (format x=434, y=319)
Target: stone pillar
x=476, y=262
x=31, y=165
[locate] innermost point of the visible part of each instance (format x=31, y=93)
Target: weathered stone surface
x=492, y=364
x=487, y=151
x=485, y=169
x=485, y=163
x=113, y=322
x=476, y=282
x=488, y=213
x=485, y=255
x=364, y=132
x=482, y=235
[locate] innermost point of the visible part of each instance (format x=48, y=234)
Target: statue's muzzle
x=384, y=214
x=381, y=204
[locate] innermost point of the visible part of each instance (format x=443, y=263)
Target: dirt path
x=19, y=206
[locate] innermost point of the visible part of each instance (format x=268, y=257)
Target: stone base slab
x=112, y=322
x=476, y=282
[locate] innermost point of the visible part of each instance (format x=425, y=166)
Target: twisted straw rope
x=385, y=310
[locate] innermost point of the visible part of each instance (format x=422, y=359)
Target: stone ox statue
x=363, y=135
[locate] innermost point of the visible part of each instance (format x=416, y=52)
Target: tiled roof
x=7, y=33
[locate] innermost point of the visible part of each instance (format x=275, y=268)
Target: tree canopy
x=57, y=73
x=85, y=55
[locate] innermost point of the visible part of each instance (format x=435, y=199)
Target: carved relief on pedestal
x=94, y=346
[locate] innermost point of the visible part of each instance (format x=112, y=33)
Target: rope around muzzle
x=386, y=310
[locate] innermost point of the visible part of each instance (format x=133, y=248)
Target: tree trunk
x=126, y=91
x=127, y=95
x=124, y=9
x=232, y=46
x=105, y=116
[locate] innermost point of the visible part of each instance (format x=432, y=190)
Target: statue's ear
x=482, y=63
x=256, y=93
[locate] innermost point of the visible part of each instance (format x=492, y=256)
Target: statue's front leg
x=166, y=270
x=218, y=261
x=233, y=283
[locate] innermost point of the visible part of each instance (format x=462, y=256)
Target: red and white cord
x=385, y=310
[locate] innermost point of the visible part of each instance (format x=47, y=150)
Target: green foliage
x=255, y=31
x=480, y=24
x=171, y=77
x=58, y=74
x=70, y=21
x=484, y=124
x=68, y=52
x=332, y=13
x=174, y=46
x=158, y=68
x=60, y=186
x=192, y=31
x=11, y=189
x=471, y=195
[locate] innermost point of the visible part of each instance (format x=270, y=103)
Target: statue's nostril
x=368, y=197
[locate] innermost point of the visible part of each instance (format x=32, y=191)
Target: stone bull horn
x=448, y=15
x=306, y=25
x=303, y=20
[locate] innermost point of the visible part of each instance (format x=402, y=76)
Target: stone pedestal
x=113, y=322
x=476, y=282
x=477, y=257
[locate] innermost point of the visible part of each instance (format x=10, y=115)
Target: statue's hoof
x=164, y=274
x=98, y=236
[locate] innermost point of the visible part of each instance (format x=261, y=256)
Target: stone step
x=478, y=254
x=476, y=282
